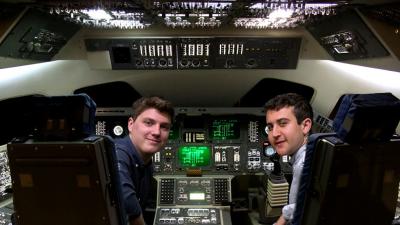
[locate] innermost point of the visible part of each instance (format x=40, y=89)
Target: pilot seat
x=352, y=176
x=62, y=173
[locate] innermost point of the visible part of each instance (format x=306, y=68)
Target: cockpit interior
x=218, y=62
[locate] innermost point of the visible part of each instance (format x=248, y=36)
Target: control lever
x=277, y=189
x=277, y=166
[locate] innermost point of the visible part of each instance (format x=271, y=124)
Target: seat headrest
x=64, y=117
x=367, y=117
x=51, y=117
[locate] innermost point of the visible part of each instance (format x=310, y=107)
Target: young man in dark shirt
x=148, y=128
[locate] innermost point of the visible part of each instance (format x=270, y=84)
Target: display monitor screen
x=174, y=132
x=194, y=156
x=225, y=129
x=197, y=196
x=193, y=122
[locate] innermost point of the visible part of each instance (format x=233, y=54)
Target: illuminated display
x=193, y=137
x=174, y=132
x=194, y=156
x=225, y=129
x=197, y=196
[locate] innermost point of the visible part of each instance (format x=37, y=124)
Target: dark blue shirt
x=135, y=177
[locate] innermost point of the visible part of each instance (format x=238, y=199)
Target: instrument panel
x=199, y=52
x=203, y=141
x=188, y=216
x=199, y=169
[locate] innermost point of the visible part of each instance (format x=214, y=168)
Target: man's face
x=285, y=134
x=149, y=131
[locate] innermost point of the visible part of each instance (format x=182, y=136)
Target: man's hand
x=280, y=221
x=137, y=221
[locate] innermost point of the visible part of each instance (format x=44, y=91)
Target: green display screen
x=225, y=129
x=194, y=156
x=174, y=132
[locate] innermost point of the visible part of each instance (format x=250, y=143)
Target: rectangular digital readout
x=196, y=196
